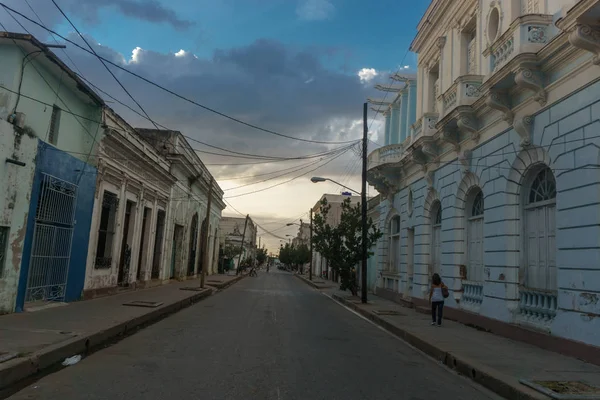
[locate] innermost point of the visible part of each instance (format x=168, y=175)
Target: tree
x=342, y=245
x=230, y=251
x=301, y=254
x=286, y=254
x=261, y=256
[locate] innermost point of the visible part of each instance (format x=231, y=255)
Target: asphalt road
x=270, y=337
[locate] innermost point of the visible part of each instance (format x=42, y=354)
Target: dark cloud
x=147, y=10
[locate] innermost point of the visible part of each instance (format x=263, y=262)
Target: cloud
x=146, y=10
x=315, y=10
x=366, y=75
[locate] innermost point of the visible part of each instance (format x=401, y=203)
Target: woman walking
x=437, y=294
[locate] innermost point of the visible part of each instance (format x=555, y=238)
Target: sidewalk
x=493, y=361
x=33, y=341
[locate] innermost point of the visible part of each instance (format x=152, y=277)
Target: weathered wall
x=565, y=137
x=14, y=206
x=68, y=168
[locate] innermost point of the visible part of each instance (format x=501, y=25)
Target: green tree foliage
x=342, y=245
x=230, y=251
x=261, y=256
x=301, y=254
x=286, y=254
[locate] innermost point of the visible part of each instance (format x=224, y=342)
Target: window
x=4, y=230
x=106, y=231
x=493, y=25
x=54, y=125
x=475, y=235
x=434, y=85
x=530, y=6
x=436, y=239
x=540, y=230
x=410, y=203
x=394, y=253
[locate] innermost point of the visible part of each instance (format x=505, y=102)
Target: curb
x=309, y=283
x=19, y=369
x=313, y=284
x=481, y=374
x=225, y=285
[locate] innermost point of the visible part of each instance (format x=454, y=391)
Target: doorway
x=193, y=245
x=125, y=261
x=176, y=250
x=143, y=244
x=158, y=245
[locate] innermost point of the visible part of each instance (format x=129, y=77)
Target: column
x=411, y=113
x=387, y=127
x=403, y=116
x=395, y=129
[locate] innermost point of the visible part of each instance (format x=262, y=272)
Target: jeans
x=437, y=307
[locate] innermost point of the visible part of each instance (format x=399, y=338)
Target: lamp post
x=363, y=196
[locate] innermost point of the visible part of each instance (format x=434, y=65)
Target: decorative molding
x=451, y=136
x=429, y=150
x=441, y=42
x=499, y=100
x=537, y=34
x=467, y=123
x=496, y=4
x=524, y=126
x=429, y=179
x=464, y=157
x=587, y=38
x=526, y=78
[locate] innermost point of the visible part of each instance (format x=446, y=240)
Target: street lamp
x=363, y=196
x=317, y=179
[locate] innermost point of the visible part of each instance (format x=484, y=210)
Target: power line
x=239, y=121
x=276, y=159
x=196, y=140
x=290, y=180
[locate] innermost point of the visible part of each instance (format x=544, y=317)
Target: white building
x=186, y=224
x=232, y=233
x=496, y=187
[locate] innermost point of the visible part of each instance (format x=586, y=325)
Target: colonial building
x=236, y=229
x=50, y=125
x=133, y=189
x=497, y=188
x=186, y=224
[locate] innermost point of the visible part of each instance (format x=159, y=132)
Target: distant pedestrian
x=437, y=294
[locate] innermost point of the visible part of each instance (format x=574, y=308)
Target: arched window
x=539, y=212
x=436, y=239
x=475, y=235
x=394, y=250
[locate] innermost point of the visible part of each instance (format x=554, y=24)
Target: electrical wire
x=234, y=119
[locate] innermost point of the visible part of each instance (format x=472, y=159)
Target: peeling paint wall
x=14, y=206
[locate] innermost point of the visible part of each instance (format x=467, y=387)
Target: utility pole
x=311, y=249
x=242, y=249
x=205, y=245
x=363, y=200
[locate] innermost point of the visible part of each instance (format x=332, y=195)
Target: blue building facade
x=498, y=190
x=58, y=226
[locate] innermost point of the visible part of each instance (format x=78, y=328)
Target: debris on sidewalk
x=71, y=360
x=141, y=303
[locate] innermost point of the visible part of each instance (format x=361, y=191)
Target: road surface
x=270, y=337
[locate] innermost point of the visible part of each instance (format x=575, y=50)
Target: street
x=269, y=337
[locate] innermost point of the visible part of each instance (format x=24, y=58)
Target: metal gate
x=52, y=237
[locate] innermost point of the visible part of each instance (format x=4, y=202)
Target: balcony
x=527, y=34
x=384, y=168
x=425, y=126
x=464, y=92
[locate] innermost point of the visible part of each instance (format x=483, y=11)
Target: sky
x=302, y=68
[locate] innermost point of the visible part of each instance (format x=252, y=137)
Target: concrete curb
x=311, y=283
x=506, y=386
x=13, y=371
